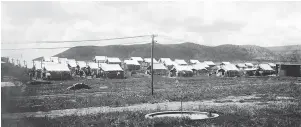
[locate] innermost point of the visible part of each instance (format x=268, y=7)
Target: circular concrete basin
x=193, y=115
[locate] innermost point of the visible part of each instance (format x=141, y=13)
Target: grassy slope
x=182, y=51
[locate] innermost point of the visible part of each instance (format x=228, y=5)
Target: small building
x=199, y=69
x=228, y=70
x=167, y=62
x=180, y=62
x=55, y=71
x=100, y=59
x=54, y=59
x=138, y=59
x=194, y=61
x=131, y=65
x=181, y=71
x=113, y=60
x=265, y=69
x=159, y=69
x=209, y=63
x=293, y=70
x=111, y=71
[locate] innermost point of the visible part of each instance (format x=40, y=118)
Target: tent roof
x=225, y=63
x=93, y=65
x=180, y=61
x=194, y=61
x=54, y=59
x=199, y=66
x=272, y=64
x=72, y=62
x=113, y=59
x=100, y=58
x=158, y=66
x=131, y=62
x=110, y=67
x=209, y=62
x=45, y=58
x=166, y=61
x=241, y=65
x=55, y=67
x=183, y=68
x=137, y=58
x=249, y=64
x=265, y=67
x=229, y=67
x=148, y=60
x=81, y=63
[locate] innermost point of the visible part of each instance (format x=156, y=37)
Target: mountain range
x=188, y=51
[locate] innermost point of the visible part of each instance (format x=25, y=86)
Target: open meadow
x=254, y=101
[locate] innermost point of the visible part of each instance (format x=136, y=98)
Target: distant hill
x=288, y=53
x=182, y=51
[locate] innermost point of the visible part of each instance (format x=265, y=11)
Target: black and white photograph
x=151, y=63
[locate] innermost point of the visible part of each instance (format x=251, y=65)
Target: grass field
x=122, y=93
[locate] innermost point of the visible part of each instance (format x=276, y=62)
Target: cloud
x=208, y=23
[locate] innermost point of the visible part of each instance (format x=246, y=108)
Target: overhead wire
x=140, y=42
x=75, y=41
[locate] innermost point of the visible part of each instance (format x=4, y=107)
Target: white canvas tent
x=100, y=59
x=46, y=59
x=166, y=61
x=63, y=61
x=139, y=59
x=54, y=59
x=225, y=63
x=209, y=63
x=110, y=67
x=113, y=60
x=92, y=65
x=55, y=67
x=272, y=64
x=81, y=64
x=180, y=62
x=72, y=62
x=229, y=70
x=249, y=65
x=199, y=66
x=131, y=62
x=194, y=61
x=159, y=69
x=148, y=60
x=265, y=67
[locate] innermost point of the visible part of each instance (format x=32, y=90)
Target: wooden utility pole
x=152, y=63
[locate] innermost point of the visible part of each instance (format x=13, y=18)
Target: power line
x=141, y=42
x=74, y=41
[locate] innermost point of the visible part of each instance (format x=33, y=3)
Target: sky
x=202, y=22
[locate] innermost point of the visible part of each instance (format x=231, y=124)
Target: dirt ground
x=239, y=101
